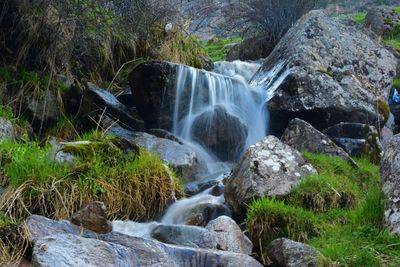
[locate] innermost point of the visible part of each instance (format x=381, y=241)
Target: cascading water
x=206, y=106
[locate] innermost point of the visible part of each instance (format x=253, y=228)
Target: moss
x=133, y=186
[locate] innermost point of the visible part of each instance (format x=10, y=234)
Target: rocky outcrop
x=302, y=136
x=180, y=157
x=93, y=217
x=99, y=104
x=356, y=139
x=390, y=172
x=59, y=243
x=382, y=20
x=337, y=71
x=250, y=49
x=221, y=133
x=268, y=168
x=6, y=129
x=287, y=253
x=229, y=235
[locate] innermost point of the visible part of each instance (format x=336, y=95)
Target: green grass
x=6, y=112
x=359, y=17
x=396, y=82
x=216, y=50
x=133, y=186
x=350, y=236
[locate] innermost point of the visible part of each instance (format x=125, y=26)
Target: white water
x=237, y=68
x=199, y=91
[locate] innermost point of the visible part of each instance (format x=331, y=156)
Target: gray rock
x=184, y=235
x=6, y=129
x=62, y=244
x=42, y=111
x=268, y=168
x=302, y=136
x=390, y=172
x=180, y=157
x=356, y=139
x=229, y=235
x=223, y=134
x=287, y=253
x=57, y=155
x=336, y=73
x=98, y=103
x=382, y=20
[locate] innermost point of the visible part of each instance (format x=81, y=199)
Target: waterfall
x=205, y=103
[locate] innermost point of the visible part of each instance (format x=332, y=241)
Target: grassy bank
x=339, y=211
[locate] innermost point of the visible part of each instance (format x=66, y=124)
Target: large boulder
x=302, y=136
x=153, y=90
x=390, y=172
x=223, y=134
x=99, y=104
x=287, y=253
x=59, y=243
x=180, y=157
x=356, y=139
x=382, y=20
x=229, y=235
x=335, y=71
x=268, y=168
x=250, y=49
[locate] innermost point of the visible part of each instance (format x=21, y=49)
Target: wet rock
x=195, y=188
x=93, y=217
x=390, y=172
x=97, y=103
x=287, y=253
x=229, y=235
x=356, y=139
x=268, y=168
x=382, y=20
x=180, y=157
x=336, y=73
x=251, y=49
x=161, y=133
x=59, y=243
x=222, y=134
x=42, y=111
x=6, y=129
x=302, y=136
x=125, y=97
x=183, y=235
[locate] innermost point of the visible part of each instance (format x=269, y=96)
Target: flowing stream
x=214, y=100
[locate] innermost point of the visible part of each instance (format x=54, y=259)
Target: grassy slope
x=217, y=50
x=350, y=235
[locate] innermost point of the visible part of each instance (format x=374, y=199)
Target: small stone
x=93, y=217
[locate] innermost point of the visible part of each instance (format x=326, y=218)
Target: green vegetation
x=217, y=49
x=6, y=112
x=133, y=186
x=348, y=229
x=64, y=129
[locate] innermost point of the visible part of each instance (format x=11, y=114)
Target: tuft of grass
x=6, y=112
x=268, y=219
x=64, y=129
x=133, y=186
x=321, y=193
x=352, y=235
